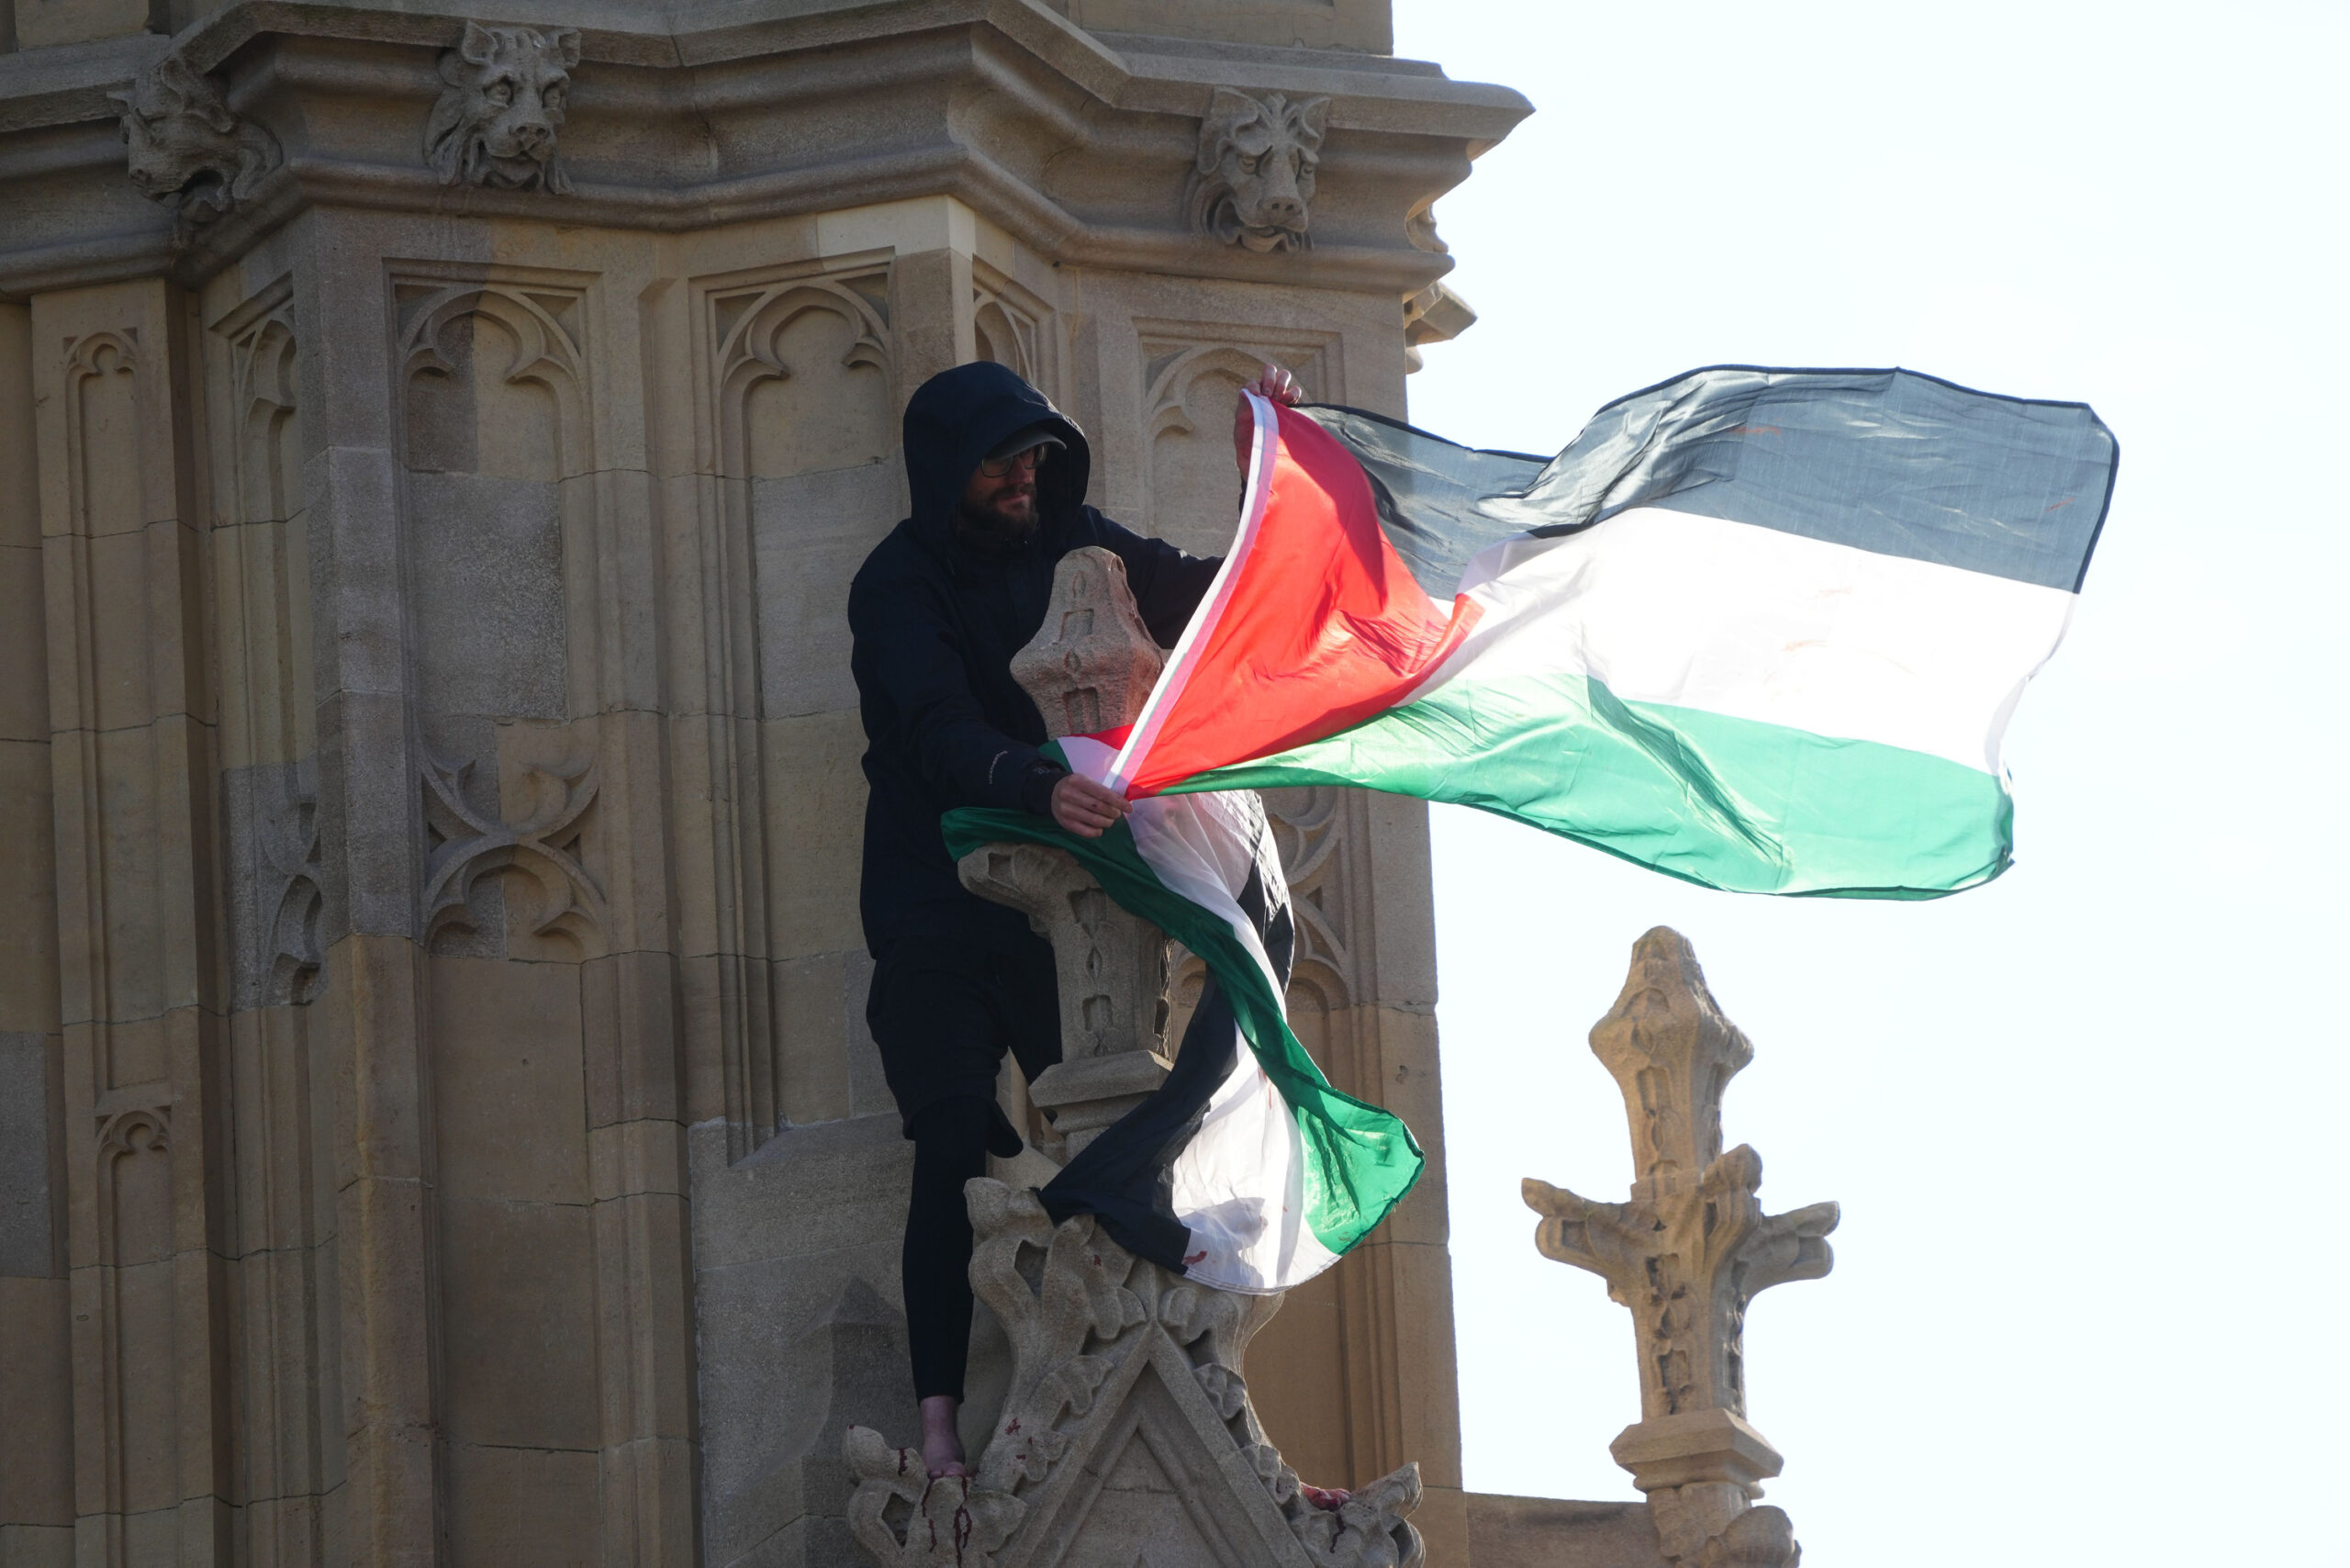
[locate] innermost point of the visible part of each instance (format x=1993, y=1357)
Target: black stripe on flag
x=1889, y=461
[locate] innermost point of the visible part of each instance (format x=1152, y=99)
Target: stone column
x=1090, y=668
x=1687, y=1254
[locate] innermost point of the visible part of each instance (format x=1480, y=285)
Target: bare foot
x=1325, y=1499
x=942, y=1446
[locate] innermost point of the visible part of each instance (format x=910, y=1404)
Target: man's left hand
x=1274, y=384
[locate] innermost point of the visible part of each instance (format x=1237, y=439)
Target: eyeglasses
x=997, y=467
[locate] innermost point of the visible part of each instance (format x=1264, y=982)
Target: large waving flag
x=1759, y=629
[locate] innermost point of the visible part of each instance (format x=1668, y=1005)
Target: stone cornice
x=1076, y=145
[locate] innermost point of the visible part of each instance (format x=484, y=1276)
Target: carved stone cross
x=1687, y=1254
x=1090, y=668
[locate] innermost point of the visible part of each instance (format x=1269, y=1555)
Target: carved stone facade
x=430, y=984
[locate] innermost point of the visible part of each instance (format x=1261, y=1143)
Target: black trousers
x=943, y=1015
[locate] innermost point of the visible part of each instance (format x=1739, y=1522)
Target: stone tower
x=436, y=1119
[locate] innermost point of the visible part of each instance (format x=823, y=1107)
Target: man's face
x=1003, y=505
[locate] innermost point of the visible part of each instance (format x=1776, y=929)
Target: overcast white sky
x=2083, y=1122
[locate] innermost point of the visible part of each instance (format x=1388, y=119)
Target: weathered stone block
x=370, y=863
x=19, y=474
x=813, y=1013
x=41, y=24
x=1541, y=1533
x=635, y=1159
x=815, y=813
x=37, y=1391
x=487, y=557
x=813, y=530
x=359, y=623
x=509, y=1083
x=28, y=974
x=631, y=1007
x=36, y=1546
x=530, y=1508
x=29, y=1159
x=24, y=677
x=519, y=1349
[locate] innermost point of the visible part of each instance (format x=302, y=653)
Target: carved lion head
x=495, y=122
x=1254, y=176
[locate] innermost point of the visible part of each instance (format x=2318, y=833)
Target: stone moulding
x=1111, y=1352
x=1080, y=151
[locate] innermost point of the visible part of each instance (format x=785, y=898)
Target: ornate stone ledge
x=1071, y=147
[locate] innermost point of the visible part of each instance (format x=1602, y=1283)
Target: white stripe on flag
x=1751, y=622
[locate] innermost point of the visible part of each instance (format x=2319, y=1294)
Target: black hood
x=957, y=417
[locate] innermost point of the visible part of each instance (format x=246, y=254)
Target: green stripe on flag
x=1360, y=1159
x=1730, y=803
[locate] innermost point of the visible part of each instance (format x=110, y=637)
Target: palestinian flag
x=1759, y=629
x=1245, y=1170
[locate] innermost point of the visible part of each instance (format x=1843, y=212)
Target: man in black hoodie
x=998, y=477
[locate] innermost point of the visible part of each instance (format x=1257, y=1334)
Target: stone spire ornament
x=1687, y=1254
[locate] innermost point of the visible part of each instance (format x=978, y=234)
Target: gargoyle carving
x=1089, y=1325
x=188, y=150
x=494, y=123
x=1254, y=180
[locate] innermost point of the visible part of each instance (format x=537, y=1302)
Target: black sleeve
x=904, y=649
x=1168, y=584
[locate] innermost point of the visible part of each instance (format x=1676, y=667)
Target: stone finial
x=1088, y=668
x=188, y=150
x=496, y=120
x=1673, y=1054
x=1253, y=182
x=1125, y=1377
x=1092, y=665
x=1687, y=1254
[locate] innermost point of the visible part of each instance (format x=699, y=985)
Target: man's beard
x=992, y=528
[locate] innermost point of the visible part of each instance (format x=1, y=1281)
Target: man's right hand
x=1085, y=808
